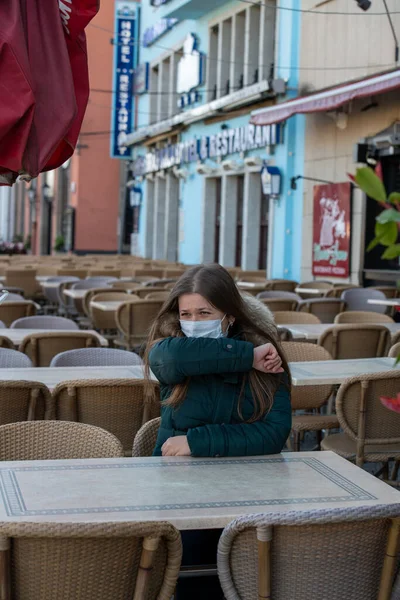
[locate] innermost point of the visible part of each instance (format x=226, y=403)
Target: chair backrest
x=90, y=295
x=394, y=351
x=145, y=439
x=145, y=291
x=103, y=319
x=295, y=318
x=89, y=284
x=11, y=311
x=355, y=341
x=285, y=556
x=283, y=285
x=252, y=279
x=79, y=273
x=153, y=273
x=13, y=359
x=2, y=325
x=158, y=295
x=116, y=273
x=42, y=347
x=126, y=285
x=337, y=290
x=362, y=316
x=325, y=309
x=96, y=357
x=310, y=396
x=361, y=413
x=44, y=322
x=23, y=278
x=316, y=285
x=268, y=294
x=53, y=440
x=5, y=342
x=280, y=304
x=24, y=401
x=119, y=406
x=357, y=299
x=390, y=291
x=94, y=561
x=134, y=319
x=176, y=273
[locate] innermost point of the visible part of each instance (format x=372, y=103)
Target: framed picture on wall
x=331, y=247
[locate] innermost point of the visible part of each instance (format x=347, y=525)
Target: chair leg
x=319, y=438
x=395, y=470
x=390, y=561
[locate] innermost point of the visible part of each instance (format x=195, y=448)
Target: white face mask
x=203, y=329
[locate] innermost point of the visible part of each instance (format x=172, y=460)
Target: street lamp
x=271, y=180
x=364, y=4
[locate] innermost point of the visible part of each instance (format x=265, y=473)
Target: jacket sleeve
x=246, y=439
x=174, y=359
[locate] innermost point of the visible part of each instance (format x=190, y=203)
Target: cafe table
x=109, y=305
x=52, y=376
x=311, y=291
x=17, y=335
x=190, y=493
x=312, y=332
x=385, y=302
x=335, y=372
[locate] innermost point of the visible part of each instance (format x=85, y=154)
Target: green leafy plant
x=59, y=244
x=387, y=224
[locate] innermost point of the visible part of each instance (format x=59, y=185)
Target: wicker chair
x=285, y=335
x=44, y=322
x=371, y=432
x=78, y=273
x=337, y=290
x=129, y=286
x=252, y=279
x=280, y=304
x=5, y=342
x=357, y=299
x=88, y=297
x=356, y=341
x=110, y=273
x=334, y=553
x=52, y=293
x=362, y=316
x=314, y=285
x=95, y=357
x=394, y=350
x=173, y=273
x=92, y=561
x=282, y=285
x=119, y=406
x=310, y=397
x=104, y=320
x=2, y=325
x=42, y=347
x=390, y=291
x=24, y=401
x=25, y=279
x=267, y=295
x=134, y=320
x=145, y=291
x=11, y=311
x=54, y=440
x=12, y=297
x=162, y=295
x=325, y=309
x=12, y=359
x=295, y=318
x=145, y=439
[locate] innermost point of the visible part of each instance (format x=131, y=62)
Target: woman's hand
x=267, y=359
x=176, y=446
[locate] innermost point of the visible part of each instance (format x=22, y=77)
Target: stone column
x=251, y=221
x=159, y=217
x=208, y=219
x=171, y=218
x=227, y=239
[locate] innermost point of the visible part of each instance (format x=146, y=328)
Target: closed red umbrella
x=48, y=81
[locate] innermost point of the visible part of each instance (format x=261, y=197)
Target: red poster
x=331, y=230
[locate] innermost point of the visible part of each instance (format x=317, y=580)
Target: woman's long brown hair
x=215, y=284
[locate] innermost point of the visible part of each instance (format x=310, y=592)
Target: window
x=162, y=88
x=239, y=220
x=241, y=49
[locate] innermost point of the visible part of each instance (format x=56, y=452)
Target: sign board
x=151, y=34
x=332, y=230
x=125, y=53
x=189, y=72
x=219, y=145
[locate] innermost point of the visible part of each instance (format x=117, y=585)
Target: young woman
x=225, y=384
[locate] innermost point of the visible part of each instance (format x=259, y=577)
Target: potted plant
x=59, y=244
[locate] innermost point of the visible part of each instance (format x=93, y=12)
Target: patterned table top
x=52, y=376
x=334, y=372
x=188, y=492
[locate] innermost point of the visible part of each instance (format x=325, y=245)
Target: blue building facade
x=196, y=156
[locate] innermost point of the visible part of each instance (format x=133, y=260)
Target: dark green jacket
x=209, y=415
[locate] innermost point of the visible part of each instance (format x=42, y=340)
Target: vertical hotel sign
x=332, y=230
x=125, y=58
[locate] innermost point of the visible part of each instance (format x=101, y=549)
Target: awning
x=329, y=99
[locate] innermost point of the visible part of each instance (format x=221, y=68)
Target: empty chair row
x=83, y=357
